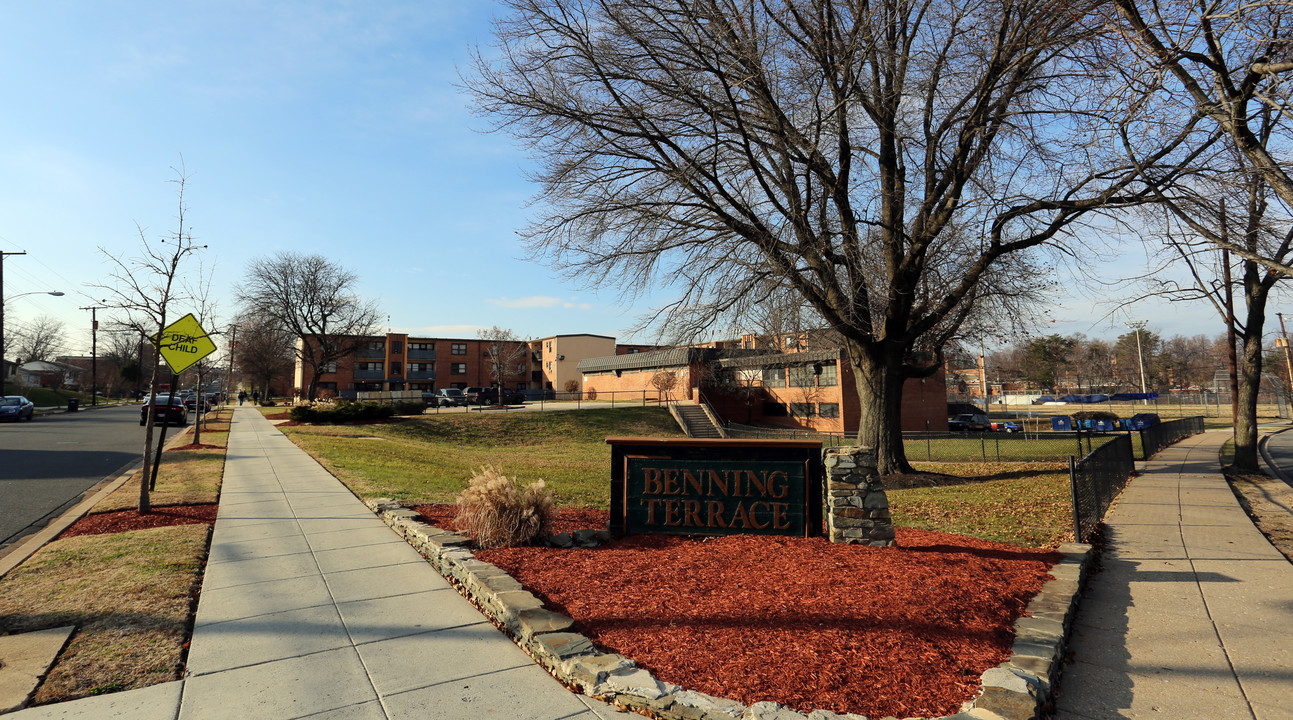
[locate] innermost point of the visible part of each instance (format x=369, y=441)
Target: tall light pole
x=1139, y=325
x=4, y=372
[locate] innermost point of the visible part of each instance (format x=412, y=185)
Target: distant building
x=41, y=373
x=399, y=361
x=808, y=389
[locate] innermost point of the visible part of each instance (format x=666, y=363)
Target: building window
x=458, y=349
x=327, y=386
x=368, y=386
x=549, y=346
x=328, y=368
x=421, y=346
x=802, y=410
x=801, y=376
x=458, y=368
x=397, y=347
x=377, y=347
x=774, y=377
x=368, y=366
x=828, y=410
x=774, y=409
x=419, y=367
x=829, y=376
x=396, y=368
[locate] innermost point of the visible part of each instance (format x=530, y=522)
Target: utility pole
x=1284, y=336
x=94, y=352
x=4, y=369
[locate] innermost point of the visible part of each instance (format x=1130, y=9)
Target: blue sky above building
x=317, y=127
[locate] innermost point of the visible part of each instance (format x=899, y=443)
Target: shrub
x=571, y=386
x=1095, y=415
x=267, y=403
x=409, y=407
x=341, y=412
x=498, y=512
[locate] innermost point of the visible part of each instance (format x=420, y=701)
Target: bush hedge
x=341, y=412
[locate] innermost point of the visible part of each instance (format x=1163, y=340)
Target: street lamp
x=1139, y=325
x=4, y=375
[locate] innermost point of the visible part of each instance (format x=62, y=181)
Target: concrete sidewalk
x=312, y=607
x=1192, y=615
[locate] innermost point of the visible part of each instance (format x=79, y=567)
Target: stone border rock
x=1018, y=689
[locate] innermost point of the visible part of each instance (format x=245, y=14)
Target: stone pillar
x=857, y=509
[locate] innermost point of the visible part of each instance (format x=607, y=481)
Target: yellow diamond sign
x=183, y=343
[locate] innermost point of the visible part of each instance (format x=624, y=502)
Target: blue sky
x=316, y=127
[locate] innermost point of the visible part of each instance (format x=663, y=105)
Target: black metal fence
x=1157, y=437
x=1095, y=480
x=953, y=446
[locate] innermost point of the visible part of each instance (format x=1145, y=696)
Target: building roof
x=762, y=359
x=671, y=357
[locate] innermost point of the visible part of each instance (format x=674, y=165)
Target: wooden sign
x=716, y=487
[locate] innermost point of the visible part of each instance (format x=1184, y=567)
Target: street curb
x=18, y=553
x=1018, y=689
x=1271, y=467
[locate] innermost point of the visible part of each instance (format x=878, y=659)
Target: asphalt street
x=47, y=465
x=1280, y=448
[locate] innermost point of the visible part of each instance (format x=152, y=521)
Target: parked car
x=493, y=396
x=445, y=397
x=1005, y=426
x=969, y=421
x=157, y=404
x=16, y=407
x=192, y=402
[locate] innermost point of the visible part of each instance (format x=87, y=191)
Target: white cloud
x=534, y=301
x=443, y=331
x=542, y=301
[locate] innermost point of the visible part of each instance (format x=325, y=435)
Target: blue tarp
x=1134, y=396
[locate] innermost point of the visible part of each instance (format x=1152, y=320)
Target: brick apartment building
x=802, y=389
x=398, y=361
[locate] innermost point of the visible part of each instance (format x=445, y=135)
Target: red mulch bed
x=123, y=520
x=903, y=631
x=197, y=446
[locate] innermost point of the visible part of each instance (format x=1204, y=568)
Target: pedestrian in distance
x=242, y=396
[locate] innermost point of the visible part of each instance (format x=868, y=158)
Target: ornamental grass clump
x=498, y=512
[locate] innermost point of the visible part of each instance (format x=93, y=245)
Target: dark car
x=969, y=421
x=445, y=397
x=493, y=396
x=179, y=415
x=16, y=407
x=192, y=403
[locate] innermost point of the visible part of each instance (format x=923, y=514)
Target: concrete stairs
x=695, y=421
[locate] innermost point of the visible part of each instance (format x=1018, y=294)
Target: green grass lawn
x=1025, y=504
x=431, y=458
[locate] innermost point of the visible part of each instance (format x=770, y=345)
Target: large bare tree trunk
x=879, y=388
x=1250, y=379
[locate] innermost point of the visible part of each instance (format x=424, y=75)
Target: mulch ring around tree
x=196, y=446
x=123, y=520
x=904, y=631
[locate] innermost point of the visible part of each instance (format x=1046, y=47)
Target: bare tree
x=1211, y=73
x=142, y=292
x=897, y=164
x=265, y=350
x=41, y=339
x=509, y=355
x=315, y=300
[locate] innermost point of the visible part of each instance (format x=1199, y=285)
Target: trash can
x=1061, y=422
x=73, y=404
